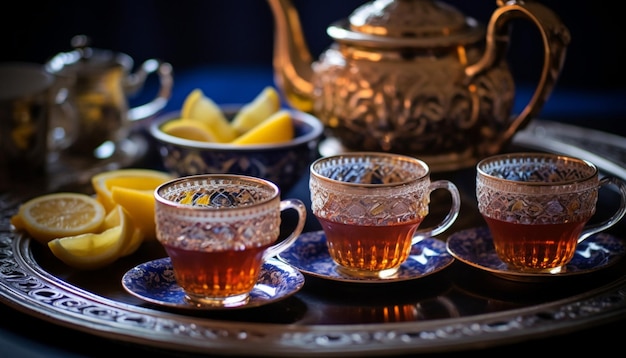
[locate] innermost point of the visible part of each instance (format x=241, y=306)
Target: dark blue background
x=196, y=32
x=214, y=35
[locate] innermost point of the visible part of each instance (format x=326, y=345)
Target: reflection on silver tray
x=310, y=255
x=64, y=168
x=154, y=282
x=475, y=247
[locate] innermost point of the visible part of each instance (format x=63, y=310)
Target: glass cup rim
x=526, y=157
x=275, y=191
x=356, y=155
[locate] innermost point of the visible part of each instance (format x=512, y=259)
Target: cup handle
x=453, y=213
x=619, y=214
x=297, y=205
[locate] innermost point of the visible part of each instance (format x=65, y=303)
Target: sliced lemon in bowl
x=51, y=216
x=266, y=103
x=201, y=108
x=93, y=250
x=277, y=128
x=134, y=178
x=190, y=129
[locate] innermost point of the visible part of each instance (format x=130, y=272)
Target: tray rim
x=57, y=301
x=27, y=287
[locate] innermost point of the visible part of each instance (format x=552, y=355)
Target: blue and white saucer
x=154, y=282
x=310, y=255
x=475, y=248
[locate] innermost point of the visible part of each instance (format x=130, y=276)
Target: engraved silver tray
x=456, y=309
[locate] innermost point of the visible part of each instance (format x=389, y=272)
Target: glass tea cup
x=370, y=206
x=218, y=230
x=537, y=206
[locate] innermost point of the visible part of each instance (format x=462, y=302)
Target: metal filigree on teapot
x=416, y=77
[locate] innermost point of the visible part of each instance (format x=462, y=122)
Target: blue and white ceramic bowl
x=284, y=163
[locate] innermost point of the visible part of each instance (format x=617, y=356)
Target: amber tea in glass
x=218, y=230
x=537, y=205
x=370, y=206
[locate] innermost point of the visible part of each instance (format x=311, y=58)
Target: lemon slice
x=266, y=103
x=51, y=216
x=140, y=207
x=201, y=108
x=95, y=250
x=134, y=178
x=190, y=129
x=277, y=128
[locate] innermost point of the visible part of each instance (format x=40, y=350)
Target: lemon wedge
x=112, y=220
x=134, y=178
x=277, y=128
x=266, y=103
x=133, y=244
x=51, y=216
x=190, y=129
x=201, y=108
x=140, y=206
x=95, y=250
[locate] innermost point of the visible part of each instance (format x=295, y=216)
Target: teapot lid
x=85, y=59
x=406, y=23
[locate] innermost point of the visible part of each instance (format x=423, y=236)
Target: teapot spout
x=292, y=59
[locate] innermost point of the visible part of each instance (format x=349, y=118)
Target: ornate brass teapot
x=416, y=77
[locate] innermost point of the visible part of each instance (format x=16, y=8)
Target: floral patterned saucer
x=475, y=248
x=154, y=282
x=310, y=255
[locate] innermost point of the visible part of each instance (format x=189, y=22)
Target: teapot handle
x=556, y=38
x=136, y=81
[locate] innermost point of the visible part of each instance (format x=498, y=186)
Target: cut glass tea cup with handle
x=218, y=229
x=538, y=207
x=370, y=205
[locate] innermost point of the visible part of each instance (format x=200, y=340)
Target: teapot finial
x=80, y=41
